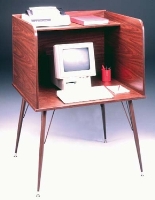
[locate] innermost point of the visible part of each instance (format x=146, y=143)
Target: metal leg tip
x=38, y=195
x=105, y=141
x=142, y=174
x=15, y=155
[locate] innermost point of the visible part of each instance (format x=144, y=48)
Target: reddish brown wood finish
x=25, y=60
x=126, y=46
x=119, y=44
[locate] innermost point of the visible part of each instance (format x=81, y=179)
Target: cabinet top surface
x=99, y=13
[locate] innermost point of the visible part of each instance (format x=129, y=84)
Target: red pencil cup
x=106, y=74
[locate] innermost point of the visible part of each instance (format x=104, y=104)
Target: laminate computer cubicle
x=118, y=44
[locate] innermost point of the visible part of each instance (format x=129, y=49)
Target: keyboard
x=80, y=95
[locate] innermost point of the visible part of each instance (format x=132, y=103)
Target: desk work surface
x=48, y=97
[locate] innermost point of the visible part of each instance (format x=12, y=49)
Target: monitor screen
x=74, y=60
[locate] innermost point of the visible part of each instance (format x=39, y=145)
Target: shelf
x=77, y=26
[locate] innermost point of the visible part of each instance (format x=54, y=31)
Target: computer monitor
x=74, y=64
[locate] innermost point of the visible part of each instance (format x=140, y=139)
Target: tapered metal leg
x=104, y=121
x=41, y=149
x=20, y=124
x=134, y=127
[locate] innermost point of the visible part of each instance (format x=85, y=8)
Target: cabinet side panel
x=24, y=50
x=125, y=50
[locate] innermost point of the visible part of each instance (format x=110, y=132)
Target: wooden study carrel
x=118, y=44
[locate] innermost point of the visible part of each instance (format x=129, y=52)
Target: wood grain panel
x=125, y=51
x=25, y=70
